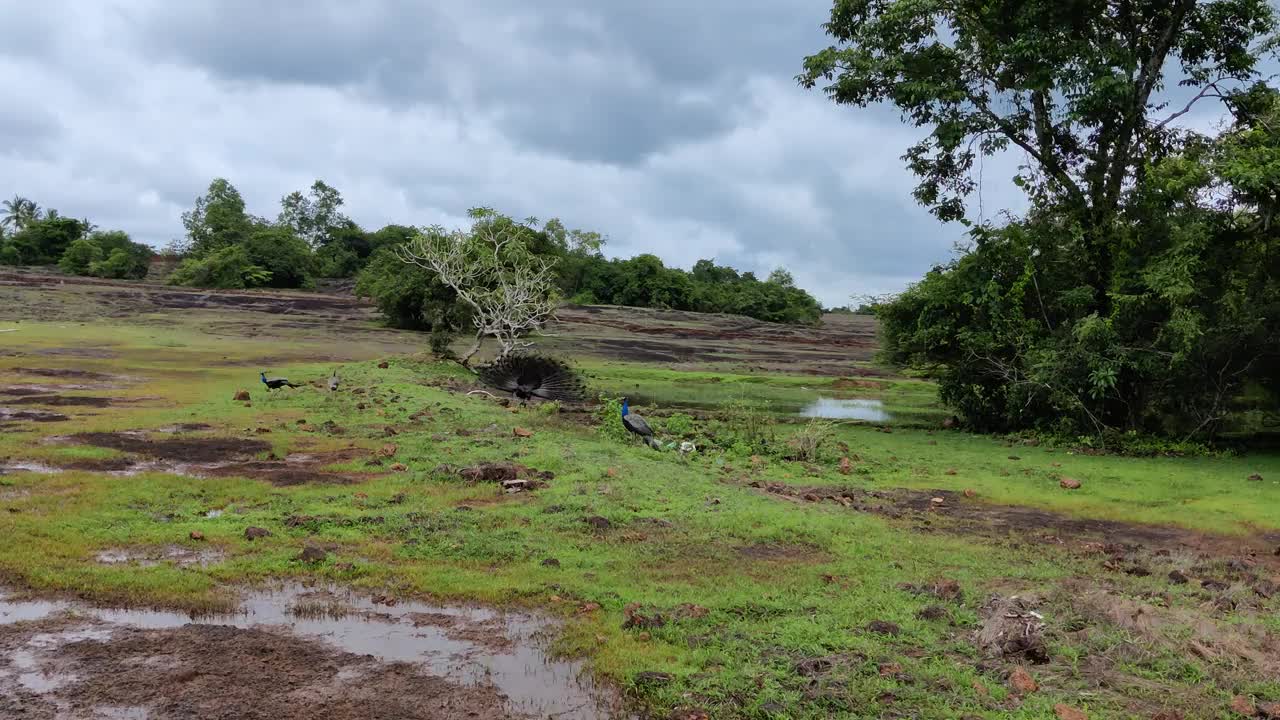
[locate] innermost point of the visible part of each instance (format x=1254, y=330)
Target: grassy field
x=900, y=570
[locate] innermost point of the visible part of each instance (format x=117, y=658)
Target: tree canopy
x=1139, y=291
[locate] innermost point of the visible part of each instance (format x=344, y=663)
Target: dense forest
x=1140, y=295
x=227, y=247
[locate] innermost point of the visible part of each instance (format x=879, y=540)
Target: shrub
x=79, y=256
x=287, y=257
x=125, y=259
x=806, y=445
x=440, y=341
x=679, y=425
x=228, y=268
x=408, y=296
x=609, y=419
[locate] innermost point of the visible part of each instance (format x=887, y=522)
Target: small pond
x=855, y=409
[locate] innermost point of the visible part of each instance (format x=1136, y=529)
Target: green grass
x=781, y=583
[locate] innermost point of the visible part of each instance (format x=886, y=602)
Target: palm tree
x=19, y=212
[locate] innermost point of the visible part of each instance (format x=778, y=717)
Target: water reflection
x=855, y=409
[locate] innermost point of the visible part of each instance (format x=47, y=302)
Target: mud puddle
x=13, y=414
x=26, y=467
x=282, y=658
x=150, y=557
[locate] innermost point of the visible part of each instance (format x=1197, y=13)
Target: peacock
x=638, y=425
x=275, y=383
x=528, y=375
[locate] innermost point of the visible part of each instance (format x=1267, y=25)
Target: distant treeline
x=226, y=247
x=30, y=235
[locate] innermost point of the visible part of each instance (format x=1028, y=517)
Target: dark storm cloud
x=674, y=128
x=606, y=82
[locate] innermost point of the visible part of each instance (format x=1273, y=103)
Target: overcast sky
x=672, y=127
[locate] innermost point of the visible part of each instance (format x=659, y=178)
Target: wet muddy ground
x=292, y=652
x=198, y=457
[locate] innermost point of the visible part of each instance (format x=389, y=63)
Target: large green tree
x=1073, y=85
x=1128, y=298
x=315, y=217
x=217, y=221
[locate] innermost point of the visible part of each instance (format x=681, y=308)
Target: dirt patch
x=64, y=373
x=9, y=414
x=185, y=428
x=22, y=391
x=78, y=352
x=188, y=450
x=62, y=401
x=98, y=464
x=781, y=552
x=950, y=511
x=282, y=473
x=853, y=384
x=487, y=634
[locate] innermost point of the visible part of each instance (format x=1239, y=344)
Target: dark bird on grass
x=528, y=375
x=638, y=425
x=333, y=381
x=275, y=383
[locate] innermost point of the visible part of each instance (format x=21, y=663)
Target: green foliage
x=280, y=252
x=608, y=417
x=1191, y=315
x=217, y=221
x=409, y=297
x=19, y=212
x=124, y=259
x=441, y=339
x=678, y=425
x=1128, y=299
x=1066, y=83
x=314, y=217
x=746, y=427
x=42, y=242
x=806, y=444
x=9, y=254
x=267, y=254
x=79, y=256
x=643, y=281
x=228, y=268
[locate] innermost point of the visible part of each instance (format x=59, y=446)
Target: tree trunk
x=475, y=348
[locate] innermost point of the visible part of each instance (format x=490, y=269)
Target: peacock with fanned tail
x=529, y=375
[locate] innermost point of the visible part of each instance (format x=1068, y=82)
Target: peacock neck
x=625, y=408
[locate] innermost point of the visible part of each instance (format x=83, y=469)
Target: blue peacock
x=638, y=425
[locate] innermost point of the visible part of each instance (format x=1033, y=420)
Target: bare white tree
x=511, y=291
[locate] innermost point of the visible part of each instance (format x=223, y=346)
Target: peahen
x=527, y=375
x=333, y=381
x=638, y=425
x=275, y=383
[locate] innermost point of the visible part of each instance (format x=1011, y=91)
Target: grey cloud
x=674, y=128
